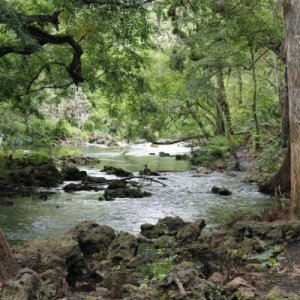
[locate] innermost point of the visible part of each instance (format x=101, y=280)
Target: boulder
x=190, y=232
x=93, y=238
x=126, y=192
x=165, y=226
x=71, y=172
x=220, y=191
x=123, y=248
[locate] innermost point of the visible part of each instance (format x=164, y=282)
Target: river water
x=186, y=194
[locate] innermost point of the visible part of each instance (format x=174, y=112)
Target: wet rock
x=165, y=226
x=78, y=160
x=116, y=184
x=76, y=187
x=46, y=175
x=182, y=157
x=221, y=191
x=124, y=247
x=94, y=180
x=93, y=238
x=164, y=154
x=116, y=171
x=126, y=192
x=71, y=172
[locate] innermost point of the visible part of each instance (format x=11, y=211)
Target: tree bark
x=284, y=106
x=8, y=264
x=221, y=99
x=282, y=179
x=292, y=24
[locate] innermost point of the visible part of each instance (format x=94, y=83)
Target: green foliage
x=216, y=148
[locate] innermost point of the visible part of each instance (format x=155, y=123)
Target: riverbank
x=244, y=259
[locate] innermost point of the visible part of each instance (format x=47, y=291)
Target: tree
x=292, y=23
x=8, y=264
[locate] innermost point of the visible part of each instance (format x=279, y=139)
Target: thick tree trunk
x=221, y=99
x=8, y=265
x=282, y=179
x=292, y=22
x=284, y=106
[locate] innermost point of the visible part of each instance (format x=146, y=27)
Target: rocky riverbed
x=244, y=259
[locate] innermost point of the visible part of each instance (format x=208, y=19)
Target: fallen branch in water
x=143, y=177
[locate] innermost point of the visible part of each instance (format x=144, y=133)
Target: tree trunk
x=292, y=23
x=282, y=179
x=8, y=265
x=221, y=99
x=284, y=106
x=254, y=100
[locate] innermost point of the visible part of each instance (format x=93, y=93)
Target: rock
x=71, y=172
x=102, y=139
x=124, y=247
x=190, y=232
x=76, y=187
x=165, y=226
x=164, y=154
x=93, y=238
x=221, y=191
x=152, y=153
x=126, y=192
x=217, y=278
x=182, y=157
x=78, y=160
x=203, y=170
x=26, y=288
x=94, y=180
x=116, y=171
x=236, y=283
x=277, y=294
x=116, y=184
x=220, y=165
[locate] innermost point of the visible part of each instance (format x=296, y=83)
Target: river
x=186, y=194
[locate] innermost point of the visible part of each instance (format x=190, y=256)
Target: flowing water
x=186, y=195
